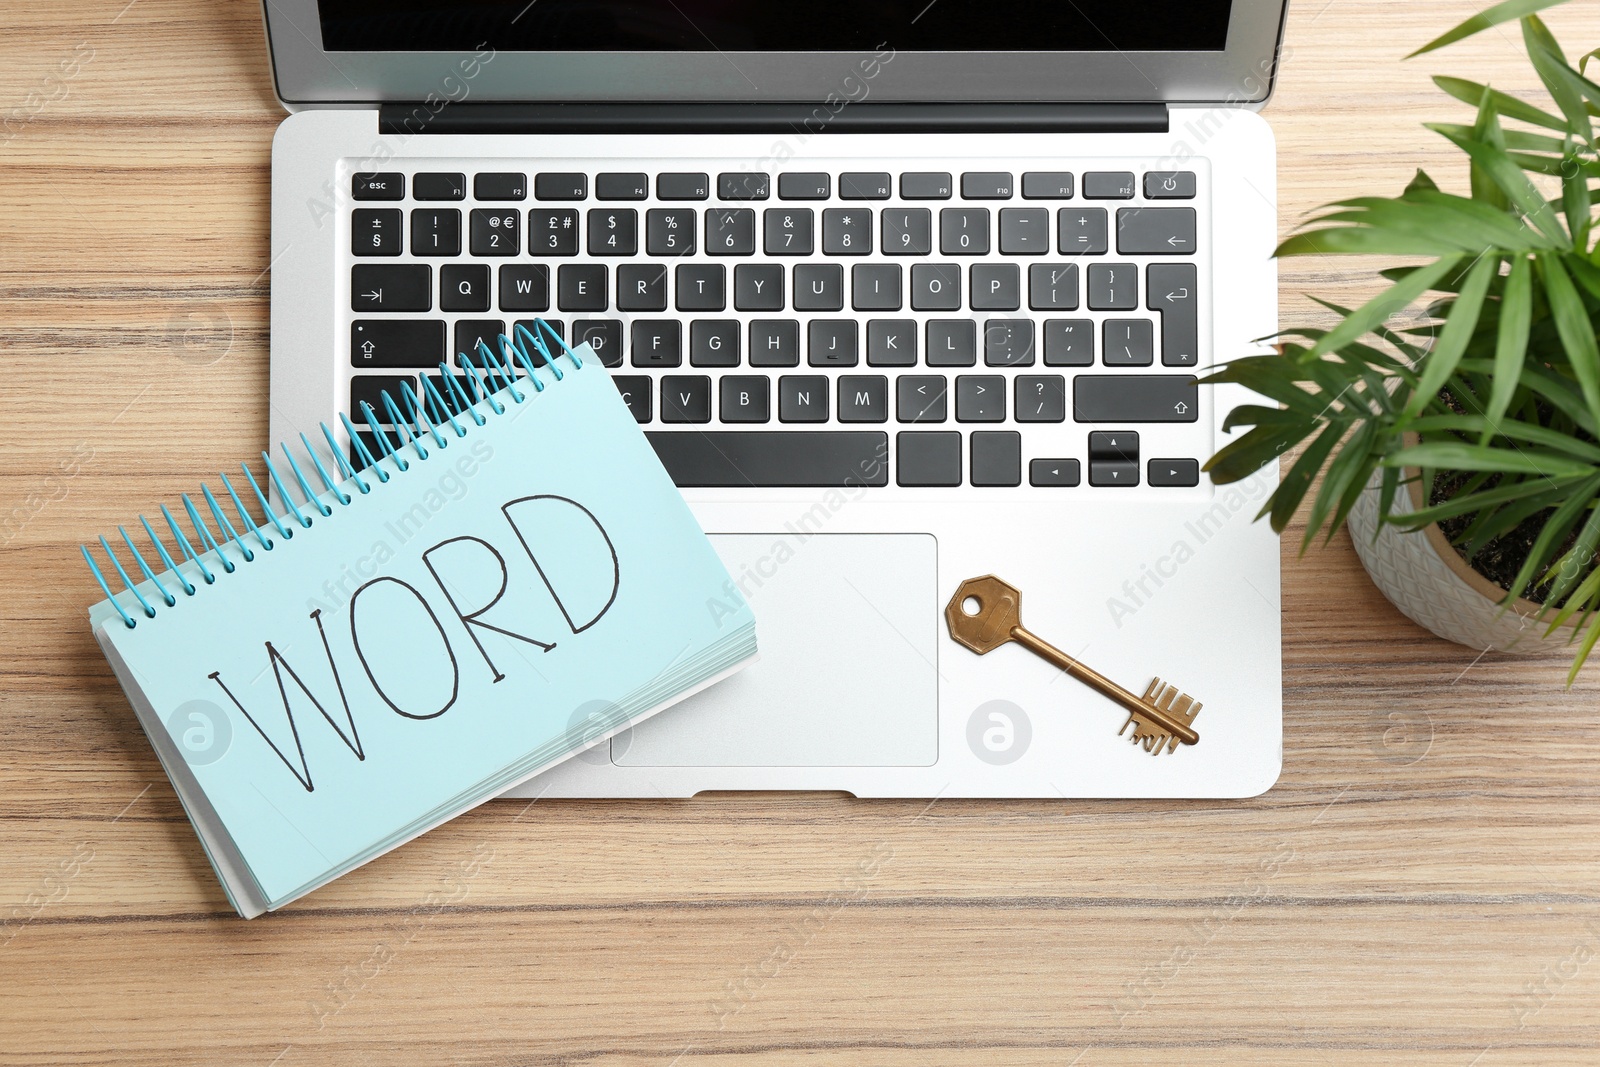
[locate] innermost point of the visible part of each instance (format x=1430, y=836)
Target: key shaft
x=1103, y=685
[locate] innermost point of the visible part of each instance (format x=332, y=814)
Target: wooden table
x=1420, y=887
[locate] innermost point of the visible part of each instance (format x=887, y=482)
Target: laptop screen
x=741, y=26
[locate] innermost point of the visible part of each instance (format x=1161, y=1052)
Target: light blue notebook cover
x=533, y=585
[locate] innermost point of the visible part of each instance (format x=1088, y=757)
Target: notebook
x=505, y=578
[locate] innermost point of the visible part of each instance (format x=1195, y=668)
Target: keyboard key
x=1047, y=185
x=952, y=343
x=1158, y=231
x=927, y=458
x=802, y=397
x=996, y=457
x=602, y=335
x=864, y=186
x=926, y=185
x=1170, y=288
x=396, y=342
x=846, y=231
x=1169, y=185
x=1113, y=472
x=935, y=287
x=524, y=287
x=980, y=398
x=455, y=403
x=1053, y=473
x=1041, y=398
x=1008, y=343
x=964, y=231
x=1068, y=343
x=553, y=233
x=875, y=287
x=495, y=233
x=469, y=332
x=1114, y=444
x=635, y=390
x=1173, y=472
x=920, y=397
x=780, y=458
x=436, y=231
x=464, y=287
x=996, y=287
x=744, y=185
x=1134, y=398
x=731, y=231
x=683, y=186
x=745, y=397
x=818, y=287
x=375, y=231
x=581, y=287
x=614, y=232
x=561, y=186
x=372, y=185
x=832, y=343
x=1024, y=231
x=1108, y=185
x=1082, y=231
x=804, y=186
x=774, y=343
x=659, y=343
x=1113, y=286
x=532, y=327
x=1129, y=343
x=508, y=185
x=396, y=287
x=988, y=185
x=758, y=287
x=907, y=231
x=369, y=388
x=863, y=398
x=789, y=231
x=621, y=186
x=892, y=343
x=669, y=231
x=642, y=287
x=429, y=186
x=1053, y=286
x=685, y=398
x=714, y=343
x=699, y=286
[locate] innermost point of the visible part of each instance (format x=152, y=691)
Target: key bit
x=1161, y=719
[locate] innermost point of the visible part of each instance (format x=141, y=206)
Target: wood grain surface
x=1420, y=887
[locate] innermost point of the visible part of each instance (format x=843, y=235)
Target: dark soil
x=1498, y=560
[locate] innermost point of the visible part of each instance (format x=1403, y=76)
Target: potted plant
x=1464, y=452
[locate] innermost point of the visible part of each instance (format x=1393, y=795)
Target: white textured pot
x=1432, y=585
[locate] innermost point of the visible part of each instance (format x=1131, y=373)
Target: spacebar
x=773, y=457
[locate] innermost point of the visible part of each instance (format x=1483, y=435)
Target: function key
x=378, y=186
x=744, y=185
x=561, y=186
x=429, y=186
x=1108, y=185
x=926, y=185
x=1169, y=185
x=990, y=185
x=804, y=186
x=509, y=185
x=683, y=186
x=857, y=185
x=621, y=186
x=1047, y=185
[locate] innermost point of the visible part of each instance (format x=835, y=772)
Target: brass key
x=1160, y=719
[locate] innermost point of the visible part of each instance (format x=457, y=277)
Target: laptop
x=901, y=293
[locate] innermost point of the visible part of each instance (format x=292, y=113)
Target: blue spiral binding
x=414, y=419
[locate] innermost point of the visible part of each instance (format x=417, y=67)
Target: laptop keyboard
x=919, y=328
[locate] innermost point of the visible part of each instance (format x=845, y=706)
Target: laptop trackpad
x=847, y=625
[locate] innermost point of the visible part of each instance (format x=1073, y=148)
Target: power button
x=1169, y=185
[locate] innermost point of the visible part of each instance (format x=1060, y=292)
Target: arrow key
x=1053, y=473
x=396, y=287
x=1174, y=472
x=1113, y=472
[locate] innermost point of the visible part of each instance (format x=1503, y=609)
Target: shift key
x=1123, y=398
x=396, y=342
